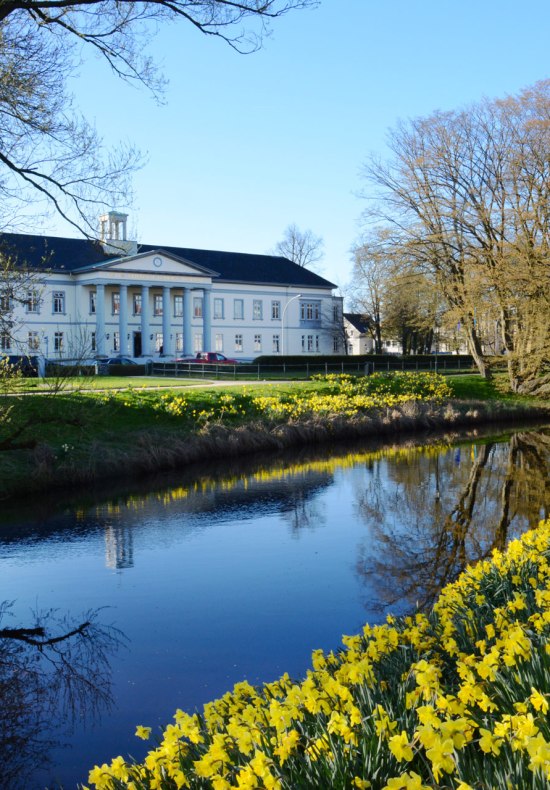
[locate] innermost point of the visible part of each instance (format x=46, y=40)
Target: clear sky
x=246, y=145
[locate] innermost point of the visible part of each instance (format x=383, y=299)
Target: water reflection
x=426, y=530
x=119, y=547
x=54, y=673
x=240, y=570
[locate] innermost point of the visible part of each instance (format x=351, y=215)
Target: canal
x=119, y=606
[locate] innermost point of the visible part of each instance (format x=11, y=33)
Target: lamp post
x=283, y=322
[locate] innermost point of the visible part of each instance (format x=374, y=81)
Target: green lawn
x=473, y=387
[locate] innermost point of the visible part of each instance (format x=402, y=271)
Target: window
x=197, y=308
x=238, y=342
x=93, y=302
x=218, y=343
x=157, y=304
x=197, y=342
x=93, y=342
x=317, y=343
x=115, y=303
x=34, y=341
x=336, y=344
x=33, y=302
x=238, y=309
x=335, y=312
x=136, y=301
x=58, y=298
x=310, y=342
x=179, y=342
x=6, y=301
x=58, y=342
x=275, y=311
x=5, y=341
x=257, y=342
x=303, y=342
x=257, y=309
x=310, y=311
x=276, y=345
x=116, y=341
x=158, y=342
x=218, y=308
x=178, y=306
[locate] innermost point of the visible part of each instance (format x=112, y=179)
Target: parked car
x=27, y=366
x=186, y=358
x=119, y=361
x=105, y=364
x=213, y=358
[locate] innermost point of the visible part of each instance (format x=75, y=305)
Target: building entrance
x=137, y=344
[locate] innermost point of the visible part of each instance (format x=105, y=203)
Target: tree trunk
x=476, y=351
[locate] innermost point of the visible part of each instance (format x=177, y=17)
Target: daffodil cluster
x=219, y=407
x=455, y=698
x=338, y=395
x=348, y=395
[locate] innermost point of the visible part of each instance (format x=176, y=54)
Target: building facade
x=114, y=297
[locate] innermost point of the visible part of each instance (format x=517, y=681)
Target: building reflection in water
x=119, y=547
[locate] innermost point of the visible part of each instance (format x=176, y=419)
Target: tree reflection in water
x=421, y=537
x=57, y=670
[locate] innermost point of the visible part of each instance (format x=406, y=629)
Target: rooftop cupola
x=112, y=234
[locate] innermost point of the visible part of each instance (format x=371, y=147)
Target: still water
x=165, y=596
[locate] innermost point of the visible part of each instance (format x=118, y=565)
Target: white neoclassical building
x=116, y=297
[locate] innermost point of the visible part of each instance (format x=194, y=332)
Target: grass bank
x=454, y=698
x=78, y=437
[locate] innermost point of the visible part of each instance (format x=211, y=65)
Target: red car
x=213, y=358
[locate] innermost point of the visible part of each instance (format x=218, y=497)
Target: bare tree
x=303, y=247
x=410, y=312
x=469, y=193
x=371, y=272
x=395, y=298
x=48, y=153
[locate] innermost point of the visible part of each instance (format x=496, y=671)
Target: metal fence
x=284, y=370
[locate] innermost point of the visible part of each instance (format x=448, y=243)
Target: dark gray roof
x=52, y=253
x=45, y=253
x=359, y=321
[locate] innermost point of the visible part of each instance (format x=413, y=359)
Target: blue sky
x=246, y=145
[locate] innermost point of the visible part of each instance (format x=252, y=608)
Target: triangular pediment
x=154, y=262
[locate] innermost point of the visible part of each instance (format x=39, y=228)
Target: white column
x=166, y=321
x=206, y=321
x=123, y=319
x=187, y=317
x=100, y=319
x=145, y=328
